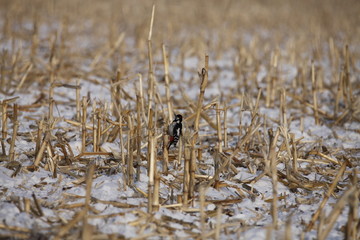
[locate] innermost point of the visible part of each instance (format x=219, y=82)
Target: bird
x=175, y=131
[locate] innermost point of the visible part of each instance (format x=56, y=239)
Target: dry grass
x=139, y=54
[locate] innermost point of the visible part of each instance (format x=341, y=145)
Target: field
x=269, y=92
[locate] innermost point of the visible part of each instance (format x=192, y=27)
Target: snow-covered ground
x=244, y=192
x=248, y=218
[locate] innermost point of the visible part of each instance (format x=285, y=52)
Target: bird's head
x=178, y=118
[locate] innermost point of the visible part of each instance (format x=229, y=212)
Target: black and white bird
x=175, y=131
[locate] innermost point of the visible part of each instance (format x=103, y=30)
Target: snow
x=252, y=213
x=111, y=187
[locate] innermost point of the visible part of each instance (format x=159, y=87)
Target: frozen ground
x=89, y=45
x=248, y=218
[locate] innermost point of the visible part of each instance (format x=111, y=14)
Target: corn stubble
x=138, y=118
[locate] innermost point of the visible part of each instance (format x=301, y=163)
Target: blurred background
x=185, y=22
x=74, y=32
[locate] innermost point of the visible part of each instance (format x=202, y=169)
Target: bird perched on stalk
x=175, y=131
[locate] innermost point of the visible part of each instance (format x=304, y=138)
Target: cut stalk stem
x=151, y=173
x=165, y=152
x=4, y=126
x=83, y=125
x=94, y=123
x=273, y=164
x=44, y=144
x=38, y=207
x=86, y=231
x=218, y=222
x=121, y=137
x=156, y=191
x=78, y=101
x=204, y=81
x=150, y=136
x=180, y=153
x=225, y=127
x=151, y=70
x=327, y=196
x=333, y=216
x=130, y=158
x=51, y=103
x=167, y=84
x=98, y=130
x=15, y=129
x=186, y=179
x=138, y=136
x=294, y=152
x=314, y=90
x=13, y=139
x=202, y=211
x=218, y=123
x=141, y=93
